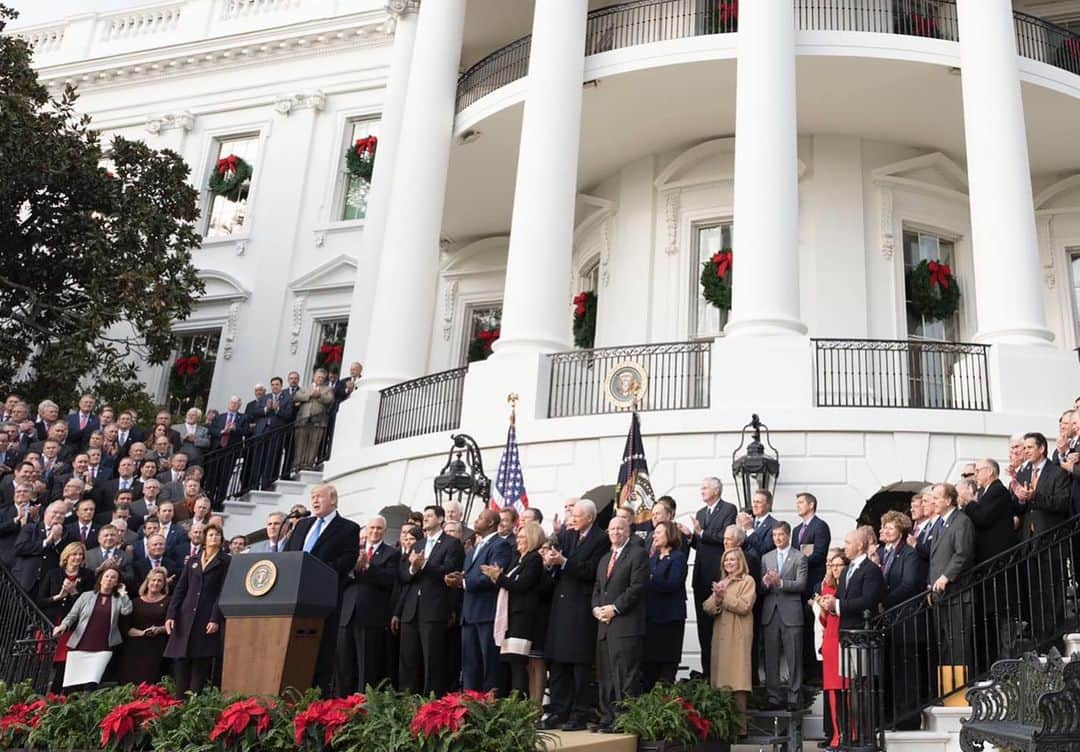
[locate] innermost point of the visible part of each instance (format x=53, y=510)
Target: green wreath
x=716, y=279
x=932, y=291
x=360, y=158
x=229, y=176
x=480, y=346
x=585, y=319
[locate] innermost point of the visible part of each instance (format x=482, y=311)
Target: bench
x=1029, y=703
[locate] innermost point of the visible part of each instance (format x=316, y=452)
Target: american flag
x=510, y=483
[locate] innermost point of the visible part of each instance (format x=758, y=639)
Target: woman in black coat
x=57, y=593
x=518, y=603
x=665, y=607
x=194, y=619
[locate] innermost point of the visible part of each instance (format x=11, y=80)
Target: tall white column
x=1005, y=244
x=765, y=292
x=400, y=326
x=403, y=13
x=536, y=306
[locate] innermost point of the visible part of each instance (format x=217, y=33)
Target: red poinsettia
x=728, y=9
x=722, y=260
x=225, y=165
x=1072, y=46
x=186, y=366
x=701, y=725
x=923, y=26
x=330, y=715
x=236, y=719
x=133, y=717
x=23, y=717
x=157, y=692
x=940, y=274
x=445, y=714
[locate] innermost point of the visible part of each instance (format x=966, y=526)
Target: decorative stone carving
x=297, y=323
x=605, y=251
x=888, y=238
x=320, y=239
x=1050, y=277
x=671, y=218
x=401, y=7
x=230, y=329
x=241, y=247
x=449, y=300
x=155, y=124
x=286, y=104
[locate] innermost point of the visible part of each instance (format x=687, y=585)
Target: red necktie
x=611, y=562
x=82, y=421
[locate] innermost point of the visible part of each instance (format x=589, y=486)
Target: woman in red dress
x=832, y=682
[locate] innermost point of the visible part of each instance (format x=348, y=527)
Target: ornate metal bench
x=1030, y=704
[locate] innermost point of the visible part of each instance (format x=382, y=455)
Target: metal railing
x=934, y=19
x=931, y=646
x=901, y=373
x=26, y=642
x=426, y=405
x=1046, y=42
x=678, y=378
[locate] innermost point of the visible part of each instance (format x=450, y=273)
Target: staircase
x=247, y=513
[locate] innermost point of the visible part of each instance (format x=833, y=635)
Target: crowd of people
x=511, y=604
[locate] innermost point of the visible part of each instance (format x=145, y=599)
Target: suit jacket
x=760, y=539
x=134, y=435
x=859, y=591
x=73, y=531
x=523, y=582
x=338, y=544
x=786, y=600
x=426, y=598
x=710, y=545
x=217, y=430
x=104, y=495
x=9, y=533
x=817, y=535
x=906, y=575
x=992, y=516
x=480, y=591
x=262, y=416
x=340, y=395
x=33, y=559
x=666, y=602
x=571, y=635
x=193, y=449
x=80, y=437
x=263, y=547
x=625, y=589
x=1052, y=503
x=80, y=613
x=313, y=404
x=95, y=557
x=368, y=598
x=952, y=552
x=141, y=568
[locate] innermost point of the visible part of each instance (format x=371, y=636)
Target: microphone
x=298, y=514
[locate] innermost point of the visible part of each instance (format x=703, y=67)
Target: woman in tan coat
x=312, y=414
x=732, y=605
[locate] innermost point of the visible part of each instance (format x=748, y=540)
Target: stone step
x=265, y=498
x=238, y=508
x=919, y=741
x=291, y=488
x=309, y=477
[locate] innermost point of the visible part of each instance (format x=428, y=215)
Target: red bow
x=1072, y=46
x=723, y=261
x=729, y=10
x=924, y=26
x=939, y=274
x=487, y=337
x=579, y=304
x=186, y=366
x=367, y=146
x=226, y=164
x=332, y=353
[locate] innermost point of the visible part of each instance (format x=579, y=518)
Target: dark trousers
x=361, y=658
x=518, y=669
x=653, y=673
x=453, y=658
x=811, y=664
x=569, y=686
x=704, y=631
x=423, y=653
x=325, y=662
x=191, y=674
x=479, y=657
x=620, y=672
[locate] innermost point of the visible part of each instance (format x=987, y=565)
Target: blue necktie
x=310, y=543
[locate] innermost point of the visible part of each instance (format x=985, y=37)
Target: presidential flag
x=509, y=490
x=634, y=487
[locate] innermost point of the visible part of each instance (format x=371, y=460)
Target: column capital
x=398, y=8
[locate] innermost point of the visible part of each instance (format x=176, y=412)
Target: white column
x=765, y=293
x=1005, y=244
x=400, y=325
x=536, y=303
x=403, y=13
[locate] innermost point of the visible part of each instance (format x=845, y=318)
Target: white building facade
x=532, y=150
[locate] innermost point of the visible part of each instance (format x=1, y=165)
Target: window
x=191, y=373
x=480, y=318
x=706, y=320
x=330, y=344
x=590, y=277
x=929, y=372
x=355, y=188
x=1074, y=279
x=228, y=214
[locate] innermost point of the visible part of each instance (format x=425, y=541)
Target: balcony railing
x=678, y=378
x=646, y=21
x=26, y=642
x=901, y=373
x=425, y=405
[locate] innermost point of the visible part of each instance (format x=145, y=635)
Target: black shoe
x=823, y=744
x=604, y=728
x=574, y=726
x=551, y=723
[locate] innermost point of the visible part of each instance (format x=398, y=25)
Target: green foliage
x=96, y=262
x=9, y=695
x=933, y=301
x=73, y=725
x=585, y=305
x=384, y=726
x=716, y=280
x=188, y=726
x=230, y=182
x=503, y=725
x=715, y=704
x=656, y=715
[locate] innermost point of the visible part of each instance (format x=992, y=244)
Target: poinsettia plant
x=316, y=725
x=128, y=726
x=73, y=722
x=360, y=157
x=240, y=724
x=932, y=292
x=384, y=723
x=585, y=304
x=664, y=714
x=716, y=279
x=477, y=722
x=713, y=705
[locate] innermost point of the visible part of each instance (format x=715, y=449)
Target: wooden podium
x=275, y=605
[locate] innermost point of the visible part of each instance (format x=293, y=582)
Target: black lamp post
x=462, y=480
x=754, y=469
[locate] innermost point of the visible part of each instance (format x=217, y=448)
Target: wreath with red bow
x=585, y=319
x=716, y=279
x=329, y=355
x=229, y=176
x=480, y=346
x=360, y=157
x=932, y=291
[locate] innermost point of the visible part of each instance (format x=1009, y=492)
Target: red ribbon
x=332, y=353
x=226, y=164
x=729, y=10
x=186, y=366
x=1072, y=46
x=722, y=261
x=367, y=146
x=939, y=274
x=487, y=337
x=579, y=304
x=924, y=26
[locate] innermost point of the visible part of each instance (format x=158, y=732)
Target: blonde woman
x=732, y=607
x=145, y=629
x=95, y=621
x=59, y=590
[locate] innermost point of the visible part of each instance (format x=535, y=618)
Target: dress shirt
x=310, y=539
x=848, y=573
x=781, y=558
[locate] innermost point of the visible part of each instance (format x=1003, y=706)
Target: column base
x=1032, y=335
x=504, y=347
x=484, y=400
x=765, y=327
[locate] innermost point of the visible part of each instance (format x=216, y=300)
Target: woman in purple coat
x=194, y=620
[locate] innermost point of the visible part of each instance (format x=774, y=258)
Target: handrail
x=26, y=641
x=428, y=404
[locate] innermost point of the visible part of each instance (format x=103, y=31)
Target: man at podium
x=334, y=540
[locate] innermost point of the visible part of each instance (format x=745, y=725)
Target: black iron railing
x=933, y=19
x=1046, y=42
x=426, y=405
x=901, y=373
x=931, y=646
x=26, y=643
x=677, y=372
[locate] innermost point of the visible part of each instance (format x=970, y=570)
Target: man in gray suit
x=194, y=436
x=273, y=542
x=783, y=581
x=110, y=548
x=618, y=604
x=952, y=552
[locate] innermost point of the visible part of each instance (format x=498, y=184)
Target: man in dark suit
x=334, y=540
x=952, y=554
x=38, y=547
x=783, y=582
x=811, y=536
x=570, y=644
x=83, y=528
x=104, y=494
x=479, y=656
x=267, y=413
x=127, y=433
x=759, y=537
x=366, y=608
x=618, y=605
x=155, y=557
x=426, y=606
x=110, y=548
x=229, y=427
x=991, y=512
x=1043, y=491
x=82, y=423
x=707, y=539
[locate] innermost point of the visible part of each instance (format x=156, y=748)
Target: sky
x=33, y=12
